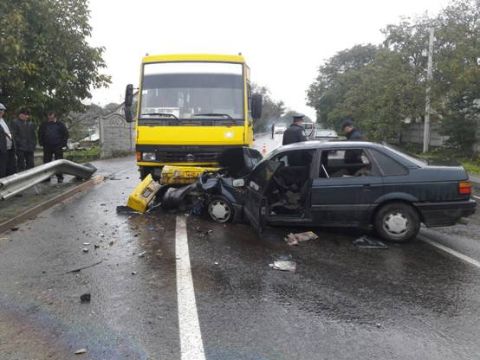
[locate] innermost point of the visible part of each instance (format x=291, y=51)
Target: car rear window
x=389, y=166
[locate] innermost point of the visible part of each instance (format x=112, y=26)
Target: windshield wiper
x=215, y=115
x=161, y=114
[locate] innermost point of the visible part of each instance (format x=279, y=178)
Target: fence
x=117, y=137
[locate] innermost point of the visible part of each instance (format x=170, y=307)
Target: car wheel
x=220, y=209
x=397, y=222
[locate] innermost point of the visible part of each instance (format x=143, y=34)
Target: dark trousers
x=8, y=164
x=49, y=153
x=24, y=160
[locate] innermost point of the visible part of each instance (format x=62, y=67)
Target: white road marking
x=476, y=197
x=191, y=344
x=465, y=258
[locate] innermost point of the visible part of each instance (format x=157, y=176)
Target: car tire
x=397, y=222
x=220, y=209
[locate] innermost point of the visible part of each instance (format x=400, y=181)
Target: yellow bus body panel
x=190, y=135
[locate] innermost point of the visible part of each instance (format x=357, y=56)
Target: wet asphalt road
x=405, y=302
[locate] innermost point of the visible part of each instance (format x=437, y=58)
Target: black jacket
x=355, y=135
x=23, y=133
x=53, y=134
x=295, y=133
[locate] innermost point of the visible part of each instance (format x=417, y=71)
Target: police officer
x=296, y=132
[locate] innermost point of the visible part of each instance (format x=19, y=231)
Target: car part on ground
x=143, y=194
x=16, y=183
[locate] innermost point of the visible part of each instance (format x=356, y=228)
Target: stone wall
x=414, y=135
x=117, y=137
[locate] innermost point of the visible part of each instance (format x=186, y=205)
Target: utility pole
x=426, y=127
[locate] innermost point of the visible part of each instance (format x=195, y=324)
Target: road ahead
x=411, y=301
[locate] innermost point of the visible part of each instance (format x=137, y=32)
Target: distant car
x=280, y=129
x=340, y=184
x=326, y=135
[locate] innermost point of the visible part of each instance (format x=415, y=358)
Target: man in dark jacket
x=25, y=140
x=352, y=156
x=351, y=132
x=53, y=136
x=7, y=150
x=296, y=132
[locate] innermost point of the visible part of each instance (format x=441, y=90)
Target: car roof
x=315, y=144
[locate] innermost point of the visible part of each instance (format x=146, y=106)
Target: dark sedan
x=359, y=184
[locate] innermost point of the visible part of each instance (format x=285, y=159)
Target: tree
x=383, y=86
x=45, y=61
x=272, y=110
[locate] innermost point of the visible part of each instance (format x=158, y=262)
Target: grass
x=83, y=155
x=446, y=156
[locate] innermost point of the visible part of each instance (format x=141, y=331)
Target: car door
x=344, y=193
x=258, y=182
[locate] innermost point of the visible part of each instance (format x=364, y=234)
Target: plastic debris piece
x=85, y=250
x=293, y=239
x=284, y=265
x=85, y=298
x=142, y=254
x=80, y=351
x=86, y=243
x=367, y=242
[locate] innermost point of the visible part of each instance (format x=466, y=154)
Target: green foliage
x=272, y=110
x=46, y=61
x=382, y=86
x=83, y=155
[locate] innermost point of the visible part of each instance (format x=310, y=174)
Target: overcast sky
x=284, y=42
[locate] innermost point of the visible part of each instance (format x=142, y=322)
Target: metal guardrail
x=16, y=183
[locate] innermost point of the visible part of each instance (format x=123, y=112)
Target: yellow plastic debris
x=178, y=175
x=143, y=194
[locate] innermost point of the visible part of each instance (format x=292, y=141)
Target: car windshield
x=192, y=90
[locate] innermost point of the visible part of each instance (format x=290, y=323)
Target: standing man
x=352, y=156
x=7, y=150
x=24, y=137
x=273, y=130
x=296, y=132
x=53, y=136
x=350, y=131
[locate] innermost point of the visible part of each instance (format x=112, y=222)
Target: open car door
x=258, y=183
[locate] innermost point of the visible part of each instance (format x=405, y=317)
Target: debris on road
x=85, y=298
x=84, y=267
x=284, y=265
x=134, y=273
x=80, y=351
x=293, y=239
x=367, y=242
x=121, y=209
x=14, y=228
x=86, y=243
x=142, y=254
x=85, y=250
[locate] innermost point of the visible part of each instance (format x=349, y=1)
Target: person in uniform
x=296, y=132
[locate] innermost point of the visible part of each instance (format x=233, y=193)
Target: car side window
x=389, y=166
x=345, y=163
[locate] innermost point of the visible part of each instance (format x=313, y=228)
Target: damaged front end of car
x=220, y=193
